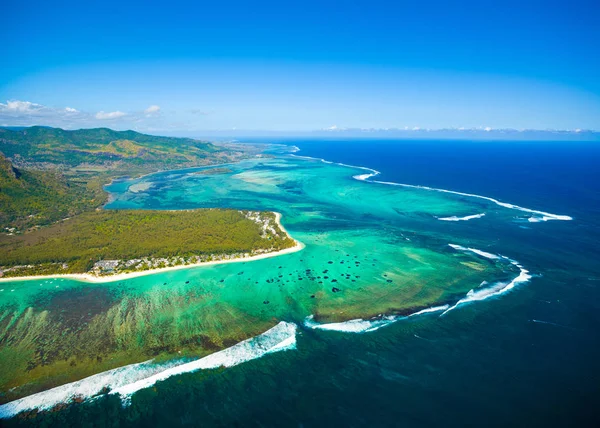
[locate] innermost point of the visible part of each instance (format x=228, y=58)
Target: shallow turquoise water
x=383, y=243
x=389, y=254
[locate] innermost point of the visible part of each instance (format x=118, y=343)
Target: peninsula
x=52, y=221
x=110, y=245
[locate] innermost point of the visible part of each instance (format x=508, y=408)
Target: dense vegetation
x=74, y=245
x=47, y=174
x=39, y=145
x=40, y=197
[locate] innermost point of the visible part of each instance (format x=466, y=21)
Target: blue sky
x=193, y=66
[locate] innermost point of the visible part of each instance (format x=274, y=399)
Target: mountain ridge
x=48, y=174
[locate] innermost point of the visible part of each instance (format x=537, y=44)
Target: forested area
x=48, y=174
x=34, y=197
x=133, y=234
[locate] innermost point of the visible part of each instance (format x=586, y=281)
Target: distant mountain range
x=467, y=133
x=408, y=134
x=396, y=133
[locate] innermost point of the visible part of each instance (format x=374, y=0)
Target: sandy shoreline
x=85, y=277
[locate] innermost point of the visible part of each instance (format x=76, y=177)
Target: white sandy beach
x=122, y=276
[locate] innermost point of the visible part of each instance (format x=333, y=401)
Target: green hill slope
x=39, y=146
x=48, y=174
x=30, y=197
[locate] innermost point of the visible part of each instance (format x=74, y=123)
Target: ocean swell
x=539, y=216
x=544, y=215
x=129, y=379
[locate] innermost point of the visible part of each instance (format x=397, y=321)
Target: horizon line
x=331, y=130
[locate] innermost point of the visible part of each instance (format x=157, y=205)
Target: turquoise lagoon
x=375, y=254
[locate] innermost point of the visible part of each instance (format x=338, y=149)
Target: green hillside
x=39, y=146
x=31, y=197
x=48, y=174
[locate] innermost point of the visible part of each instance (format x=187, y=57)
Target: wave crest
x=129, y=379
x=365, y=326
x=465, y=218
x=474, y=295
x=373, y=172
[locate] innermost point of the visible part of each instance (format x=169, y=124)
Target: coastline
x=86, y=277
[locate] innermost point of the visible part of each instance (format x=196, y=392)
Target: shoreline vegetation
x=52, y=221
x=270, y=240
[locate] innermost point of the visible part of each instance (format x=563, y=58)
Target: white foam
x=310, y=158
x=365, y=326
x=363, y=177
x=539, y=219
x=465, y=218
x=476, y=251
x=429, y=310
x=474, y=295
x=131, y=378
x=351, y=326
x=498, y=288
x=83, y=388
x=279, y=338
x=545, y=216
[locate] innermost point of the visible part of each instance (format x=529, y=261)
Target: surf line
x=497, y=289
x=465, y=218
x=475, y=295
x=127, y=380
x=366, y=326
x=545, y=216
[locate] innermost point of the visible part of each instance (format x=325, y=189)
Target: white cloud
x=20, y=106
x=110, y=115
x=26, y=113
x=152, y=110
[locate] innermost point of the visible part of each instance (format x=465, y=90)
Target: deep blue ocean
x=552, y=175
x=526, y=358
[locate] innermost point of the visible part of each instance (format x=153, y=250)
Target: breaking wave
x=474, y=295
x=476, y=251
x=366, y=326
x=539, y=216
x=496, y=289
x=129, y=379
x=465, y=218
x=544, y=215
